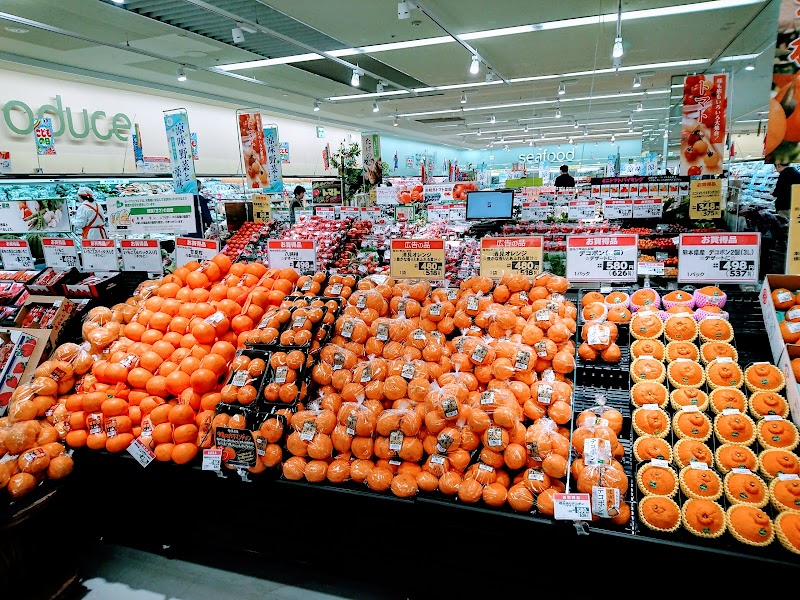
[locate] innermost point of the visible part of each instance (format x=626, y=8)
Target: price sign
x=521, y=255
x=647, y=208
x=417, y=259
x=193, y=249
x=138, y=449
x=581, y=209
x=403, y=213
x=535, y=211
x=60, y=253
x=602, y=258
x=719, y=257
x=212, y=459
x=300, y=255
x=372, y=213
x=262, y=208
x=141, y=255
x=572, y=507
x=617, y=209
x=299, y=214
x=458, y=212
x=705, y=199
x=350, y=212
x=326, y=212
x=281, y=215
x=99, y=255
x=16, y=255
x=651, y=268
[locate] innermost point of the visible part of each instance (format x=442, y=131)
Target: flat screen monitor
x=490, y=204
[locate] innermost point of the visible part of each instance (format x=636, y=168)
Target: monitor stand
x=484, y=227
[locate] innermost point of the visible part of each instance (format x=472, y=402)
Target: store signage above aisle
x=417, y=259
x=15, y=255
x=141, y=255
x=647, y=208
x=517, y=255
x=48, y=215
x=60, y=253
x=602, y=258
x=636, y=186
x=300, y=255
x=118, y=125
x=171, y=213
x=719, y=257
x=99, y=255
x=705, y=104
x=179, y=142
x=189, y=249
x=705, y=199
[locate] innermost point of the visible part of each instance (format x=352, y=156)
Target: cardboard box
x=92, y=286
x=792, y=391
x=64, y=308
x=30, y=347
x=773, y=317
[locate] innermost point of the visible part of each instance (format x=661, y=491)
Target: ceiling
x=298, y=52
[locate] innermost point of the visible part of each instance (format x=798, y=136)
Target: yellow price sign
x=262, y=208
x=517, y=255
x=705, y=199
x=417, y=259
x=793, y=243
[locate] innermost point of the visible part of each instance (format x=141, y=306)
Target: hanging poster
x=273, y=166
x=284, y=152
x=326, y=192
x=703, y=126
x=25, y=216
x=782, y=141
x=179, y=142
x=705, y=199
x=326, y=157
x=195, y=155
x=138, y=151
x=254, y=152
x=43, y=136
x=371, y=156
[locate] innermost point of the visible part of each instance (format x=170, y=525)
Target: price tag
x=366, y=373
x=602, y=258
x=614, y=208
x=408, y=371
x=60, y=253
x=742, y=471
x=719, y=257
x=189, y=249
x=787, y=476
x=212, y=459
x=535, y=211
x=650, y=268
x=596, y=452
x=494, y=436
x=326, y=212
x=262, y=207
x=141, y=255
x=705, y=199
x=581, y=209
x=309, y=430
x=417, y=259
x=458, y=212
x=544, y=393
x=517, y=255
x=396, y=441
x=240, y=378
x=658, y=462
x=372, y=214
x=16, y=255
x=437, y=459
x=698, y=465
x=281, y=215
x=472, y=303
x=403, y=213
x=300, y=255
x=572, y=507
x=487, y=397
x=138, y=449
x=281, y=373
x=647, y=208
x=382, y=333
x=450, y=407
x=731, y=411
x=347, y=328
x=523, y=360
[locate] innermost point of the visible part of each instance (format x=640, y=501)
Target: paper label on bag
x=541, y=349
x=690, y=408
x=535, y=475
x=408, y=371
x=437, y=459
x=396, y=440
x=280, y=374
x=299, y=321
x=307, y=285
x=793, y=327
x=419, y=334
x=94, y=423
x=347, y=329
x=443, y=442
x=147, y=428
x=487, y=397
x=523, y=360
x=472, y=303
x=494, y=436
x=449, y=407
x=793, y=314
x=533, y=450
x=139, y=450
x=362, y=301
x=549, y=375
x=309, y=429
x=261, y=446
x=543, y=314
x=352, y=421
x=452, y=293
x=544, y=393
x=338, y=361
x=556, y=297
x=336, y=289
x=599, y=334
x=605, y=502
x=366, y=374
x=240, y=378
x=698, y=465
x=596, y=452
x=724, y=359
x=382, y=333
x=785, y=297
x=479, y=353
x=435, y=309
x=650, y=406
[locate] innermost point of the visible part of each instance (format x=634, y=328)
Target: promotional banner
x=326, y=157
x=703, y=126
x=517, y=255
x=136, y=140
x=371, y=157
x=272, y=147
x=284, y=152
x=417, y=259
x=179, y=142
x=25, y=216
x=43, y=136
x=173, y=213
x=719, y=257
x=705, y=199
x=254, y=154
x=153, y=164
x=782, y=141
x=5, y=162
x=447, y=192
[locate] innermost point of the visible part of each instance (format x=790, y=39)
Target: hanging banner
x=43, y=137
x=417, y=259
x=284, y=152
x=602, y=258
x=782, y=140
x=99, y=255
x=173, y=213
x=326, y=157
x=5, y=162
x=15, y=255
x=719, y=257
x=179, y=142
x=195, y=155
x=705, y=106
x=516, y=255
x=272, y=147
x=705, y=199
x=141, y=255
x=300, y=255
x=60, y=253
x=189, y=249
x=371, y=157
x=138, y=151
x=262, y=208
x=326, y=191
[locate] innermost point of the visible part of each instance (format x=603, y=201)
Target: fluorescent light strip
x=565, y=126
x=505, y=31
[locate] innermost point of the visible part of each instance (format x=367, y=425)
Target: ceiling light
x=637, y=81
x=181, y=74
x=463, y=98
x=585, y=131
x=395, y=123
x=575, y=125
x=375, y=107
x=356, y=78
x=19, y=30
x=617, y=51
x=489, y=77
x=630, y=119
x=118, y=1
x=613, y=138
x=571, y=140
x=666, y=134
x=530, y=143
x=750, y=67
x=541, y=136
x=558, y=113
x=562, y=89
x=479, y=133
x=492, y=120
x=379, y=87
x=474, y=66
x=317, y=105
x=502, y=139
x=596, y=143
x=237, y=35
x=505, y=147
x=639, y=107
x=630, y=129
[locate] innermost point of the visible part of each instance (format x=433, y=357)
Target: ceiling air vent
x=442, y=120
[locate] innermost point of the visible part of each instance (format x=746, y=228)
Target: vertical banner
x=254, y=154
x=371, y=155
x=782, y=141
x=326, y=157
x=5, y=162
x=179, y=142
x=43, y=136
x=195, y=155
x=136, y=140
x=273, y=166
x=793, y=243
x=703, y=126
x=284, y=151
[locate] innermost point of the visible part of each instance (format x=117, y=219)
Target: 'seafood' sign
x=516, y=255
x=602, y=257
x=719, y=257
x=300, y=255
x=417, y=259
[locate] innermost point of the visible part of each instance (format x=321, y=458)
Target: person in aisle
x=205, y=212
x=89, y=218
x=787, y=177
x=565, y=179
x=297, y=201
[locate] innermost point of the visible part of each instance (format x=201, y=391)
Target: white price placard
x=141, y=255
x=99, y=255
x=438, y=212
x=303, y=214
x=535, y=211
x=572, y=507
x=326, y=212
x=616, y=208
x=458, y=212
x=300, y=255
x=281, y=215
x=16, y=255
x=372, y=214
x=351, y=212
x=651, y=268
x=212, y=459
x=647, y=208
x=581, y=209
x=60, y=253
x=189, y=249
x=719, y=257
x=138, y=450
x=602, y=257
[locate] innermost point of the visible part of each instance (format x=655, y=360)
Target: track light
x=356, y=78
x=317, y=105
x=613, y=138
x=395, y=123
x=637, y=81
x=558, y=113
x=379, y=87
x=181, y=74
x=463, y=98
x=575, y=125
x=530, y=143
x=479, y=133
x=618, y=50
x=630, y=119
x=750, y=67
x=630, y=129
x=562, y=89
x=492, y=120
x=639, y=107
x=585, y=131
x=502, y=139
x=489, y=77
x=666, y=134
x=475, y=65
x=571, y=141
x=375, y=107
x=237, y=35
x=525, y=129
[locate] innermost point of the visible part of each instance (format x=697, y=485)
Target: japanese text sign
x=522, y=255
x=719, y=257
x=417, y=259
x=602, y=258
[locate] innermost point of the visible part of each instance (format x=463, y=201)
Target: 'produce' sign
x=602, y=258
x=719, y=257
x=300, y=255
x=517, y=255
x=417, y=259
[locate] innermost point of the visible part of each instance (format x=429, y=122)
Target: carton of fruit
x=17, y=349
x=774, y=315
x=792, y=352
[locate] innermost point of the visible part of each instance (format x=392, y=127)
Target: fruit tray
x=249, y=378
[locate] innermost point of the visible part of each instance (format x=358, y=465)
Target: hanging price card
x=535, y=211
x=193, y=249
x=647, y=208
x=141, y=255
x=16, y=255
x=438, y=212
x=417, y=259
x=60, y=253
x=581, y=209
x=300, y=255
x=372, y=213
x=617, y=208
x=262, y=208
x=351, y=212
x=326, y=212
x=521, y=255
x=602, y=258
x=705, y=199
x=572, y=507
x=719, y=257
x=403, y=213
x=458, y=212
x=99, y=255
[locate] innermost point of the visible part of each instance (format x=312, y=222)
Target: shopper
x=205, y=211
x=297, y=202
x=565, y=179
x=89, y=219
x=787, y=177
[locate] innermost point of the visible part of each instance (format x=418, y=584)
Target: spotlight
x=238, y=35
x=575, y=125
x=571, y=141
x=479, y=133
x=475, y=65
x=562, y=89
x=356, y=78
x=181, y=74
x=375, y=107
x=317, y=105
x=630, y=119
x=463, y=98
x=395, y=123
x=637, y=81
x=639, y=107
x=666, y=134
x=379, y=87
x=525, y=129
x=558, y=113
x=492, y=120
x=750, y=67
x=613, y=138
x=617, y=51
